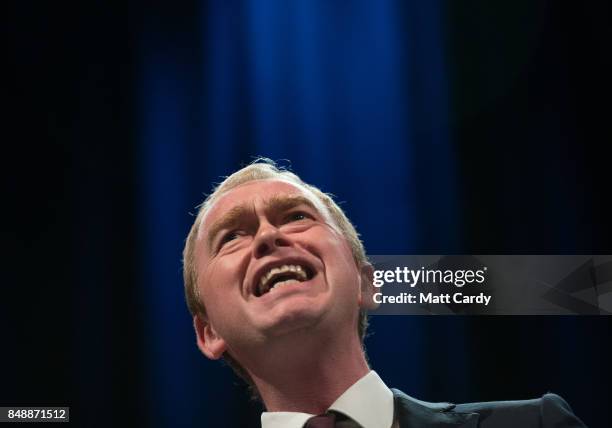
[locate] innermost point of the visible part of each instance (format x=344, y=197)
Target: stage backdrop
x=441, y=127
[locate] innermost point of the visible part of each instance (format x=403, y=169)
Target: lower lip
x=284, y=289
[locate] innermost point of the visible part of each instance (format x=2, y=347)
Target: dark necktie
x=327, y=420
x=330, y=420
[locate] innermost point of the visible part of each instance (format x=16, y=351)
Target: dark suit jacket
x=548, y=411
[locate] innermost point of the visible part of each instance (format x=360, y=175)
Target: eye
x=230, y=236
x=297, y=216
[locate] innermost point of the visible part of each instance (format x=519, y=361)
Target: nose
x=268, y=239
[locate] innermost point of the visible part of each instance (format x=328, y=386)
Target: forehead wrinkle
x=281, y=202
x=233, y=216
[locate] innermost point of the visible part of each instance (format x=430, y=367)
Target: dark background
x=445, y=127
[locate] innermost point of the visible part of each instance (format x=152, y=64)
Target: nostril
x=262, y=249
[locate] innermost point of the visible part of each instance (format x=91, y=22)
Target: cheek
x=341, y=261
x=222, y=274
x=215, y=288
x=342, y=252
x=332, y=241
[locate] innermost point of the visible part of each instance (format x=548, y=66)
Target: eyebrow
x=233, y=216
x=284, y=203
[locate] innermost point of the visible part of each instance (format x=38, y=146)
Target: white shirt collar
x=368, y=402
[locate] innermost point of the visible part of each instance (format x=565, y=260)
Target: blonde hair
x=263, y=169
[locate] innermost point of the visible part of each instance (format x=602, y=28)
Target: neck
x=309, y=374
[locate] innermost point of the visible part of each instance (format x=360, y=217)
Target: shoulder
x=548, y=411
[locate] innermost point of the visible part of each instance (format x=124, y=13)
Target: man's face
x=269, y=262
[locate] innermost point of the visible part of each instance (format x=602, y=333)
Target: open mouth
x=281, y=276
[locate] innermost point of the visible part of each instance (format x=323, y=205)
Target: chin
x=289, y=317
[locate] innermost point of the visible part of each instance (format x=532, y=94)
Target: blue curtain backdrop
x=358, y=97
x=470, y=127
x=335, y=88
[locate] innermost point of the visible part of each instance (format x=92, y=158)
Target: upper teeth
x=265, y=279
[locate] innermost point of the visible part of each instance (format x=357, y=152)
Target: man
x=278, y=283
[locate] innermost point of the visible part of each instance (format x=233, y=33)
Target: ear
x=366, y=297
x=210, y=343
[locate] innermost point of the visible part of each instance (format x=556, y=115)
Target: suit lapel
x=412, y=413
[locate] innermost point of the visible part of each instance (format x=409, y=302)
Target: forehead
x=251, y=192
